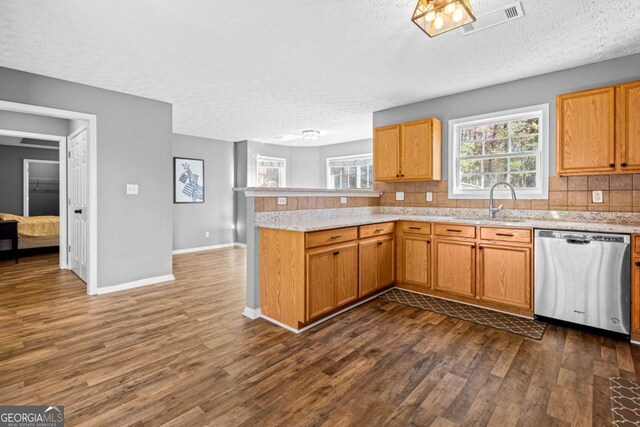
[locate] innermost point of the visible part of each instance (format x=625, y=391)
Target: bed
x=34, y=231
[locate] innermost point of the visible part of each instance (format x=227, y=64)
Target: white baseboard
x=251, y=313
x=240, y=245
x=135, y=284
x=204, y=248
x=298, y=331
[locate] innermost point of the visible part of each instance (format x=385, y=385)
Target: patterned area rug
x=506, y=322
x=625, y=401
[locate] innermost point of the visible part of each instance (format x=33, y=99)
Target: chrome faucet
x=492, y=210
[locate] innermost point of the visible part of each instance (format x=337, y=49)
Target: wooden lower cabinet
x=377, y=264
x=332, y=279
x=504, y=275
x=454, y=266
x=416, y=252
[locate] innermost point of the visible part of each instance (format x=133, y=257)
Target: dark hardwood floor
x=181, y=354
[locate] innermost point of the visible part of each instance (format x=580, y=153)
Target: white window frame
x=283, y=176
x=542, y=155
x=354, y=156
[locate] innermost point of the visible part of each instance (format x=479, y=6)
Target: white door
x=78, y=159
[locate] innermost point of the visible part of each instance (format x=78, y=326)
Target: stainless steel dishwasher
x=583, y=278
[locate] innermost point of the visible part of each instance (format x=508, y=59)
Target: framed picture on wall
x=188, y=180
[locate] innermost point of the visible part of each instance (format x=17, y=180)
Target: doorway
x=82, y=226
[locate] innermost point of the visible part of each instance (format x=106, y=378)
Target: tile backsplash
x=621, y=193
x=270, y=204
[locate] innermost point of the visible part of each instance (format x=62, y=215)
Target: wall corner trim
x=135, y=284
x=252, y=313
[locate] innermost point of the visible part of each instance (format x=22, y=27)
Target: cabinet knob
x=624, y=165
x=402, y=175
x=612, y=165
x=379, y=243
x=336, y=253
x=637, y=263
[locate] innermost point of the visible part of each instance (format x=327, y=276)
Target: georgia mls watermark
x=31, y=416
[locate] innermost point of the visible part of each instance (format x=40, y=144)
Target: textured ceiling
x=235, y=69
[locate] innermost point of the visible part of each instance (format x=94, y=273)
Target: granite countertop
x=304, y=221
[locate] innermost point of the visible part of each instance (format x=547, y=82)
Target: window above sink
x=510, y=146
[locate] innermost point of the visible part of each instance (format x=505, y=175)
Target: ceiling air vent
x=496, y=17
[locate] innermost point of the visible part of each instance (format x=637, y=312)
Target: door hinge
x=69, y=248
x=69, y=154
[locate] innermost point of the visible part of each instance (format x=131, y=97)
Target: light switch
x=596, y=197
x=343, y=200
x=282, y=201
x=132, y=189
x=399, y=195
x=429, y=197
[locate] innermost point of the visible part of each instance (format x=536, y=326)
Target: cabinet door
x=368, y=267
x=628, y=96
x=416, y=260
x=504, y=275
x=454, y=267
x=345, y=266
x=321, y=290
x=386, y=153
x=586, y=132
x=386, y=262
x=416, y=150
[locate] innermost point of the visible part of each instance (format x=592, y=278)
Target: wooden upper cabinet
x=585, y=141
x=386, y=153
x=420, y=157
x=628, y=136
x=504, y=275
x=409, y=151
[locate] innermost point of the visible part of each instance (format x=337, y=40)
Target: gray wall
x=521, y=93
x=134, y=146
x=44, y=198
x=10, y=120
x=216, y=214
x=240, y=206
x=303, y=168
x=11, y=174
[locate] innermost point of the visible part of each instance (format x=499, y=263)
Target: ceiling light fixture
x=312, y=135
x=436, y=17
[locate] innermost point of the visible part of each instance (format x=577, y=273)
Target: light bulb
x=439, y=22
x=450, y=8
x=430, y=16
x=458, y=15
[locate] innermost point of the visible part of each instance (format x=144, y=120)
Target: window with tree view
x=271, y=172
x=505, y=146
x=350, y=172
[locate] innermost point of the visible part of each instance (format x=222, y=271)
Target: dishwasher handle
x=578, y=241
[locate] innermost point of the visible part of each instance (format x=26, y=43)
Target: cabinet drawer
x=416, y=228
x=517, y=235
x=453, y=230
x=376, y=229
x=328, y=237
